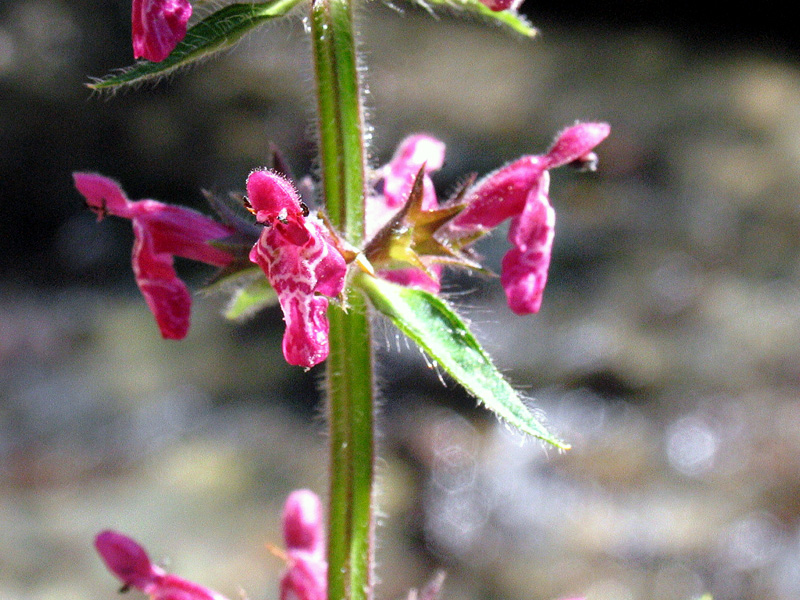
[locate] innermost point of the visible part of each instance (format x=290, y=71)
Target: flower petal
x=158, y=26
x=103, y=195
x=305, y=340
x=525, y=266
x=166, y=295
x=498, y=5
x=183, y=232
x=576, y=142
x=125, y=558
x=415, y=278
x=501, y=194
x=298, y=274
x=412, y=153
x=277, y=203
x=306, y=578
x=172, y=587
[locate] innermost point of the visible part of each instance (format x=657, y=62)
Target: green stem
x=341, y=121
x=350, y=518
x=349, y=367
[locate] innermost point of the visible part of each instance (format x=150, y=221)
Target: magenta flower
x=498, y=5
x=306, y=575
x=414, y=153
x=300, y=260
x=158, y=26
x=162, y=232
x=129, y=562
x=519, y=191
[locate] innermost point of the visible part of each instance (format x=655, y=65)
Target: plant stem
x=341, y=121
x=349, y=367
x=350, y=518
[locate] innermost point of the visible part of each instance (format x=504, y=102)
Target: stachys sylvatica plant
x=377, y=244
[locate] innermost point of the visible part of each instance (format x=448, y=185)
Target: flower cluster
x=295, y=251
x=411, y=235
x=518, y=191
x=305, y=577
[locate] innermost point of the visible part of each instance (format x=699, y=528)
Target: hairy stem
x=349, y=367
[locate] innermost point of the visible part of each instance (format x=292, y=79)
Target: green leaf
x=506, y=18
x=438, y=330
x=251, y=298
x=216, y=32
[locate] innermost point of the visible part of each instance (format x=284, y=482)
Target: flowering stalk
x=387, y=239
x=349, y=369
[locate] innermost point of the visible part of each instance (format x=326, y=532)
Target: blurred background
x=667, y=350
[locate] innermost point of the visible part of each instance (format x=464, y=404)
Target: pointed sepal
x=409, y=237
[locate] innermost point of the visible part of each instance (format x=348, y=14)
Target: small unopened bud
x=306, y=574
x=302, y=521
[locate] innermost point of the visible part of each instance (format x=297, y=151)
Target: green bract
x=251, y=298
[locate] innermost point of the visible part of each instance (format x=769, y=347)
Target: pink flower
x=161, y=232
x=158, y=26
x=129, y=562
x=498, y=5
x=301, y=262
x=398, y=177
x=520, y=191
x=306, y=575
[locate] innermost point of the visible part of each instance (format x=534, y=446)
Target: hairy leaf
x=431, y=323
x=216, y=32
x=506, y=18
